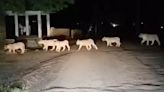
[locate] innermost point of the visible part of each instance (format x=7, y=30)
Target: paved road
x=98, y=71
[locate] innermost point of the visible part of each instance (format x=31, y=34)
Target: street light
x=114, y=24
x=161, y=27
x=142, y=23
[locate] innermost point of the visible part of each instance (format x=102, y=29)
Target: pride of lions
x=59, y=46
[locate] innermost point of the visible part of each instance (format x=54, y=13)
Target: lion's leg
x=63, y=48
x=68, y=47
x=108, y=44
x=94, y=46
x=152, y=42
x=147, y=42
x=13, y=50
x=10, y=50
x=22, y=50
x=58, y=48
x=80, y=46
x=53, y=47
x=159, y=43
x=89, y=47
x=142, y=42
x=118, y=44
x=46, y=48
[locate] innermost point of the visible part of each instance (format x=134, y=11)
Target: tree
x=41, y=5
x=13, y=5
x=34, y=5
x=48, y=5
x=2, y=30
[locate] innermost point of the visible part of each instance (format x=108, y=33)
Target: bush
x=13, y=88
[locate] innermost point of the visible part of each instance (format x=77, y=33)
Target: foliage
x=14, y=5
x=49, y=5
x=4, y=89
x=12, y=88
x=42, y=5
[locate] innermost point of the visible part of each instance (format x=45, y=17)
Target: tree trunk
x=2, y=31
x=138, y=16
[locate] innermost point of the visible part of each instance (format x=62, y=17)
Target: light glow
x=142, y=23
x=114, y=24
x=161, y=27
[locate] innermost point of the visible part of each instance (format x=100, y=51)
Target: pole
x=16, y=24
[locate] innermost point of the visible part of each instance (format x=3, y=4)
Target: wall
x=73, y=33
x=76, y=33
x=59, y=31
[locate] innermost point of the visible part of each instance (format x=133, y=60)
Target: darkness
x=113, y=10
x=100, y=13
x=123, y=12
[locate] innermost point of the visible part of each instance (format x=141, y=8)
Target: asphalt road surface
x=100, y=71
x=126, y=69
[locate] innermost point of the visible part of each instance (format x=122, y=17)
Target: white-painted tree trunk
x=16, y=25
x=48, y=24
x=27, y=24
x=39, y=25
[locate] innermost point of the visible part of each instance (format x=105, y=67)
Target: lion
x=62, y=45
x=110, y=40
x=149, y=38
x=88, y=43
x=47, y=43
x=15, y=46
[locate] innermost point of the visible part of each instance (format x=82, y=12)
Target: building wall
x=2, y=31
x=76, y=33
x=73, y=33
x=59, y=31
